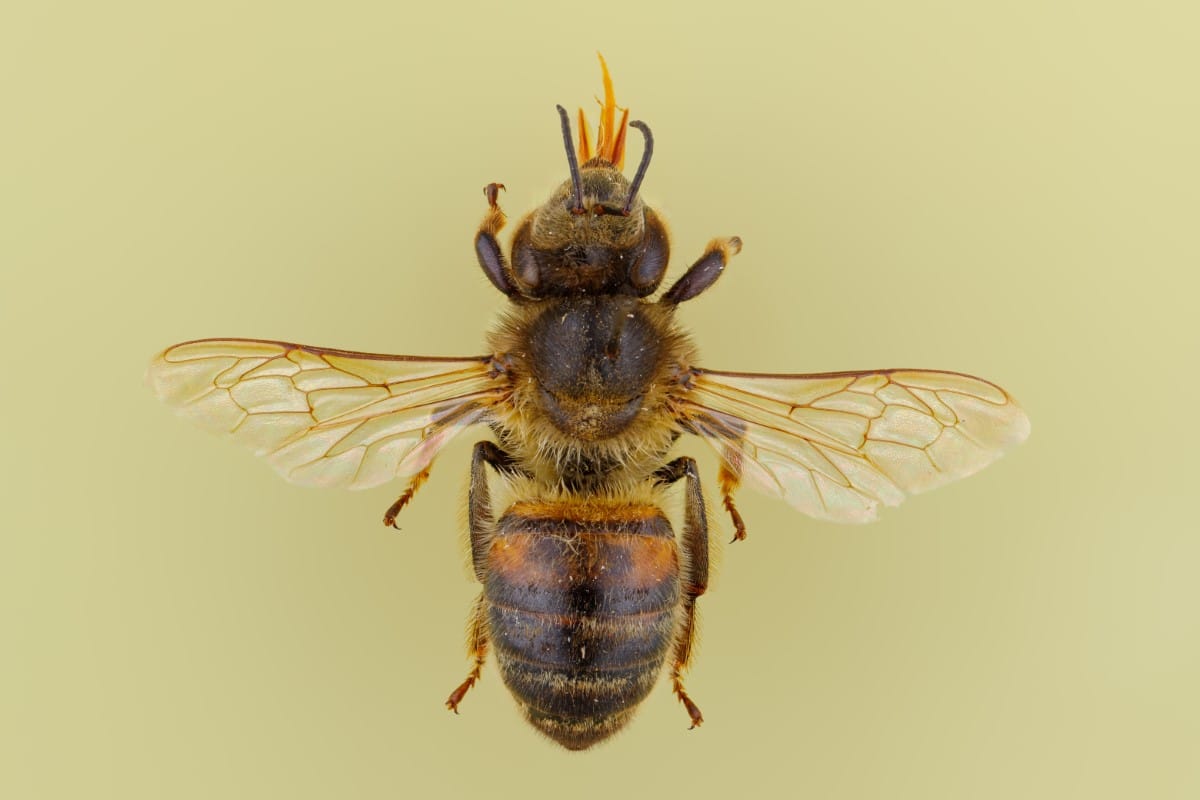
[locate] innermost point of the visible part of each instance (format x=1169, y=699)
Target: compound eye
x=525, y=269
x=647, y=272
x=649, y=269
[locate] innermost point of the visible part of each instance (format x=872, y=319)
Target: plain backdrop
x=1007, y=189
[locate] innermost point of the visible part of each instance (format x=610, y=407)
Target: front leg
x=487, y=249
x=704, y=272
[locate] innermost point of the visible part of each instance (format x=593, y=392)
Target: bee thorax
x=593, y=359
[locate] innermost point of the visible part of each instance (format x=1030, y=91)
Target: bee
x=587, y=384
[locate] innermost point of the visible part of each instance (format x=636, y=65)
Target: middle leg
x=477, y=644
x=389, y=516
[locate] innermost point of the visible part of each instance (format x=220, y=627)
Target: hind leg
x=695, y=578
x=481, y=522
x=477, y=645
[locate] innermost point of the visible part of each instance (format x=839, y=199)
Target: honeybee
x=586, y=386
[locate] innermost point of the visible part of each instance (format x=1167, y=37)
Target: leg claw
x=492, y=193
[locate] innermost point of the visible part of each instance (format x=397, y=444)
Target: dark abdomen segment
x=581, y=607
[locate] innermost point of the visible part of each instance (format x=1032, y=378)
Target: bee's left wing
x=838, y=445
x=325, y=417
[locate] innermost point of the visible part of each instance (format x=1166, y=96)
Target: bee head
x=594, y=235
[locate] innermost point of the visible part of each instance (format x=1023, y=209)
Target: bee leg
x=389, y=516
x=704, y=272
x=729, y=479
x=477, y=644
x=480, y=520
x=482, y=525
x=487, y=249
x=695, y=578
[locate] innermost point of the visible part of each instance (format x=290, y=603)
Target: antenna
x=647, y=151
x=572, y=162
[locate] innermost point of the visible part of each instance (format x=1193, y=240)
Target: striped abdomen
x=580, y=603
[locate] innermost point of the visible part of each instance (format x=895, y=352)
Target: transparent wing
x=325, y=417
x=838, y=445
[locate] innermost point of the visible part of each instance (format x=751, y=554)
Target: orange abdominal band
x=610, y=139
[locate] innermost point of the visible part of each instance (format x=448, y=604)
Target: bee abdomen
x=581, y=613
x=578, y=708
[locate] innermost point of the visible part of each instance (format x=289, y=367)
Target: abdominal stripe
x=590, y=574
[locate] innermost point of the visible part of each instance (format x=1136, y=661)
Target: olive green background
x=1007, y=189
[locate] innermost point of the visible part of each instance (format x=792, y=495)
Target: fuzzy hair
x=528, y=434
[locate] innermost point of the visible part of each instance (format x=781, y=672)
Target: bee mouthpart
x=610, y=138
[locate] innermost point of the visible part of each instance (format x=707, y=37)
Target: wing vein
x=788, y=434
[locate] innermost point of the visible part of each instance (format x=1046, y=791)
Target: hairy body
x=583, y=579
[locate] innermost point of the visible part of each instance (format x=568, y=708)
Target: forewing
x=838, y=445
x=325, y=417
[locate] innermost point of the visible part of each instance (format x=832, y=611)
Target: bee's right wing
x=325, y=417
x=838, y=445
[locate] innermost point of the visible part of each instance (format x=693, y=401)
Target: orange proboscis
x=585, y=139
x=610, y=138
